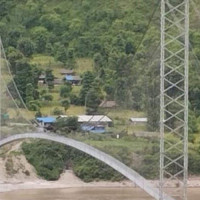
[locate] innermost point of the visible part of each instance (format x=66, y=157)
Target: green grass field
x=83, y=65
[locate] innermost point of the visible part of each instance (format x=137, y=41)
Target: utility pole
x=174, y=97
x=1, y=60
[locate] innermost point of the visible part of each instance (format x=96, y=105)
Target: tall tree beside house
x=49, y=78
x=29, y=93
x=65, y=90
x=61, y=53
x=87, y=81
x=23, y=76
x=13, y=56
x=92, y=101
x=122, y=64
x=71, y=62
x=98, y=63
x=65, y=104
x=152, y=100
x=26, y=46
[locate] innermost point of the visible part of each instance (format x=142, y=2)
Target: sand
x=20, y=180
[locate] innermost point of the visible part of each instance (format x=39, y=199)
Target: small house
x=74, y=80
x=108, y=104
x=94, y=119
x=138, y=120
x=42, y=79
x=46, y=121
x=66, y=72
x=92, y=123
x=94, y=128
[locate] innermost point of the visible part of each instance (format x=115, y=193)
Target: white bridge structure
x=107, y=159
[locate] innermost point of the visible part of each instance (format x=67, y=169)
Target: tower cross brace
x=174, y=96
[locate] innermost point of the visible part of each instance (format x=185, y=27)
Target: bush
x=57, y=111
x=74, y=99
x=67, y=125
x=50, y=158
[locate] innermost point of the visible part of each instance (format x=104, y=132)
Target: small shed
x=108, y=104
x=42, y=79
x=94, y=128
x=46, y=121
x=138, y=120
x=95, y=120
x=67, y=72
x=74, y=80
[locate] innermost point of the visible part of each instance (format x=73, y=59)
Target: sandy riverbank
x=21, y=180
x=69, y=180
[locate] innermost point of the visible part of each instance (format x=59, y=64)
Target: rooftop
x=42, y=76
x=137, y=119
x=72, y=78
x=108, y=104
x=90, y=118
x=93, y=118
x=46, y=119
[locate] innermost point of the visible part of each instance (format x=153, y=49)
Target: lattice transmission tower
x=174, y=97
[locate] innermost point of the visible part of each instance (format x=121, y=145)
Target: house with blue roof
x=46, y=121
x=93, y=128
x=74, y=80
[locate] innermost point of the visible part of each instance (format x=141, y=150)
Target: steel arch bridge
x=105, y=158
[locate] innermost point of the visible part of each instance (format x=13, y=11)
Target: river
x=86, y=194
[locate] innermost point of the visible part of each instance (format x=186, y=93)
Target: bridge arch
x=107, y=159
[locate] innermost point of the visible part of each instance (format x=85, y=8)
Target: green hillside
x=112, y=45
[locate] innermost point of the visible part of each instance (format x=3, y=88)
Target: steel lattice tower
x=174, y=96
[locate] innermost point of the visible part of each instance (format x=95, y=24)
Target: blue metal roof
x=46, y=119
x=69, y=78
x=93, y=129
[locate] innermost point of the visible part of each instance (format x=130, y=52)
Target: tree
x=49, y=78
x=152, y=96
x=92, y=101
x=13, y=56
x=98, y=62
x=23, y=76
x=48, y=97
x=14, y=35
x=29, y=93
x=87, y=81
x=65, y=103
x=61, y=53
x=26, y=46
x=67, y=124
x=65, y=90
x=40, y=36
x=129, y=48
x=70, y=59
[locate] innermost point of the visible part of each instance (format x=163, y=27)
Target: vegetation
x=50, y=159
x=114, y=48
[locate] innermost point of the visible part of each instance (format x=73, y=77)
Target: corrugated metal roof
x=72, y=78
x=93, y=118
x=108, y=104
x=46, y=119
x=90, y=118
x=137, y=119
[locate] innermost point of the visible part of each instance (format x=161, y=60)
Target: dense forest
x=121, y=37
